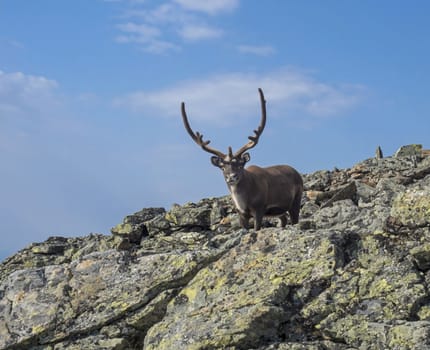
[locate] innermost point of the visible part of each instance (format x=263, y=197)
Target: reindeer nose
x=232, y=178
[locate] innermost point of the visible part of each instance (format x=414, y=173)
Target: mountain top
x=353, y=274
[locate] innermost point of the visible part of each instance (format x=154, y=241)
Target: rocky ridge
x=353, y=274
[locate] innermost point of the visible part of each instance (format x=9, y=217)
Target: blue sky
x=90, y=93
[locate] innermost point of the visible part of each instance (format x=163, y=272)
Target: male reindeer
x=256, y=191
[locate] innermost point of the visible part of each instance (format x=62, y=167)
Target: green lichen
x=119, y=305
x=424, y=313
x=379, y=288
x=122, y=229
x=412, y=208
x=171, y=217
x=38, y=329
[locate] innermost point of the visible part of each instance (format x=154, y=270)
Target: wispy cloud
x=146, y=36
x=210, y=7
x=169, y=25
x=264, y=50
x=143, y=31
x=128, y=1
x=21, y=93
x=11, y=43
x=224, y=98
x=199, y=32
x=33, y=108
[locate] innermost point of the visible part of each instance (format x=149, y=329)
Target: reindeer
x=256, y=191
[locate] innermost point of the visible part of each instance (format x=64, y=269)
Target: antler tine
x=254, y=139
x=197, y=137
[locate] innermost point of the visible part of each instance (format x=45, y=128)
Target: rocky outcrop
x=353, y=274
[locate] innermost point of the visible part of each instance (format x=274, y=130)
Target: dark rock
x=317, y=181
x=378, y=153
x=421, y=255
x=346, y=192
x=133, y=228
x=143, y=215
x=191, y=215
x=53, y=245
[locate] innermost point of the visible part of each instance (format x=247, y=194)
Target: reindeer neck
x=241, y=191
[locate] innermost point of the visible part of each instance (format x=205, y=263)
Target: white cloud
x=171, y=24
x=146, y=36
x=224, y=98
x=166, y=13
x=161, y=47
x=211, y=7
x=265, y=50
x=143, y=31
x=129, y=1
x=21, y=93
x=195, y=32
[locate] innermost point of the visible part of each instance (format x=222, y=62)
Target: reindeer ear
x=246, y=157
x=217, y=161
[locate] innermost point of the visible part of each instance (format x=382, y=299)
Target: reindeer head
x=232, y=165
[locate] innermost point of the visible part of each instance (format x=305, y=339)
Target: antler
x=197, y=137
x=254, y=139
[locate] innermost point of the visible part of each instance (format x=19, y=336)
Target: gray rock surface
x=353, y=274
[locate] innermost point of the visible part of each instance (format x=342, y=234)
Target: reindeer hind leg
x=283, y=219
x=258, y=219
x=295, y=210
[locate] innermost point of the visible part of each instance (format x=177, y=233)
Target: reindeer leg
x=258, y=218
x=295, y=210
x=244, y=220
x=294, y=214
x=284, y=220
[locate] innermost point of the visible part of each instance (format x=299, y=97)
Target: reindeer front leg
x=258, y=219
x=244, y=220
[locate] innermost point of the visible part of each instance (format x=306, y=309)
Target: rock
x=346, y=192
x=55, y=251
x=224, y=302
x=364, y=194
x=312, y=345
x=191, y=215
x=353, y=274
x=381, y=291
x=414, y=150
x=412, y=207
x=159, y=225
x=133, y=228
x=143, y=215
x=421, y=255
x=378, y=153
x=52, y=246
x=317, y=181
x=222, y=212
x=48, y=304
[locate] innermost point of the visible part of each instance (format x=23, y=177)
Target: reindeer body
x=271, y=191
x=255, y=191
